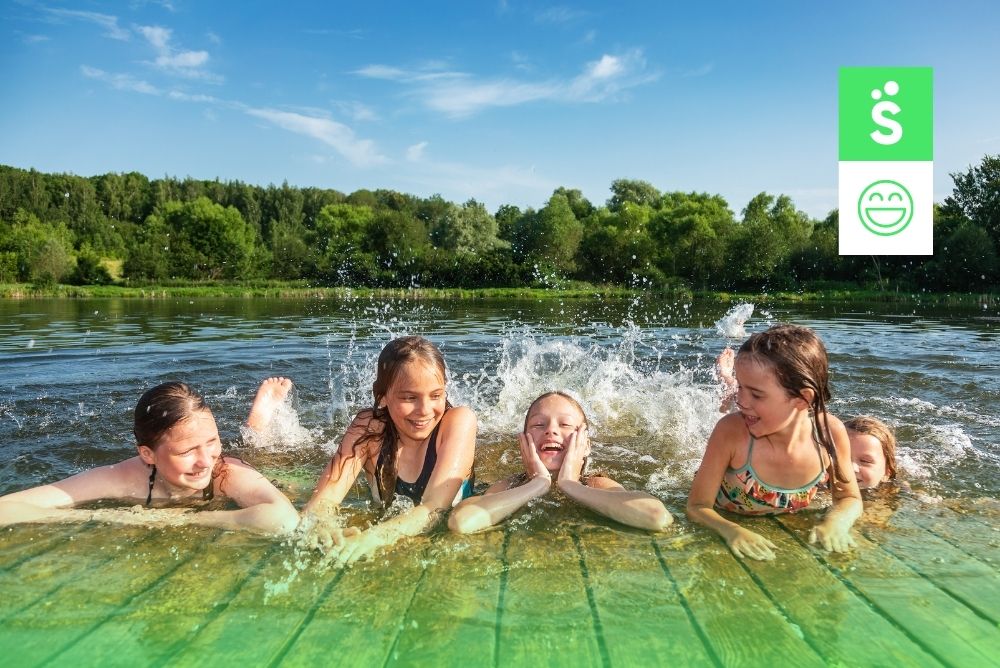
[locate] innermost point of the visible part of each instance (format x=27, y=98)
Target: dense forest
x=130, y=229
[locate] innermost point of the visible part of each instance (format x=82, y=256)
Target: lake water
x=555, y=581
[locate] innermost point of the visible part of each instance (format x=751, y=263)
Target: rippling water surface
x=71, y=371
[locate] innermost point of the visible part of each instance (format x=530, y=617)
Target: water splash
x=731, y=324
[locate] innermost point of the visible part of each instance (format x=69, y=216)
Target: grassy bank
x=301, y=290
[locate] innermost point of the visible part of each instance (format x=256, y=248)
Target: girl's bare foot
x=725, y=365
x=270, y=395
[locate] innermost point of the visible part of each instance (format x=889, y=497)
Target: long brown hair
x=162, y=408
x=393, y=358
x=799, y=361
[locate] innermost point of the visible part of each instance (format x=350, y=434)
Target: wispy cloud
x=189, y=64
x=120, y=81
x=415, y=153
x=460, y=95
x=35, y=39
x=106, y=21
x=355, y=110
x=360, y=152
x=560, y=15
x=700, y=71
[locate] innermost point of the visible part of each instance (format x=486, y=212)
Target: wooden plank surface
x=976, y=535
x=739, y=619
x=954, y=634
x=545, y=610
x=837, y=622
x=642, y=617
x=359, y=619
x=455, y=605
x=176, y=608
x=25, y=541
x=972, y=582
x=39, y=633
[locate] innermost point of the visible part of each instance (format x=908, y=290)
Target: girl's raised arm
x=604, y=495
x=502, y=499
x=343, y=468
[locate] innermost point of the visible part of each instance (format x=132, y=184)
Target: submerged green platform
x=922, y=590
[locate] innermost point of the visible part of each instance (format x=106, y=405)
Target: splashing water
x=731, y=324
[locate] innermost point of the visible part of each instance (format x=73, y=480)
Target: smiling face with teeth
x=765, y=405
x=550, y=422
x=416, y=401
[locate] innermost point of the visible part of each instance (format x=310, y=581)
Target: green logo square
x=886, y=113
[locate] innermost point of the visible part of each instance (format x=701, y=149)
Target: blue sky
x=500, y=101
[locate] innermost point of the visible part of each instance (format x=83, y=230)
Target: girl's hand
x=578, y=449
x=832, y=537
x=746, y=543
x=354, y=546
x=533, y=465
x=327, y=538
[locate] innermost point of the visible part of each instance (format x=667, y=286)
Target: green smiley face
x=885, y=208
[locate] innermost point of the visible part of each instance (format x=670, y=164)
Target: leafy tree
x=552, y=236
x=977, y=196
x=44, y=251
x=634, y=191
x=208, y=241
x=468, y=229
x=763, y=243
x=692, y=232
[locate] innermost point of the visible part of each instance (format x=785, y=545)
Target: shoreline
x=300, y=290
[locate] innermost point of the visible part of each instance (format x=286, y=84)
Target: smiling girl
x=554, y=444
x=412, y=442
x=179, y=461
x=773, y=455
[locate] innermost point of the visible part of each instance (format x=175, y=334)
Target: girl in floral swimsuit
x=778, y=449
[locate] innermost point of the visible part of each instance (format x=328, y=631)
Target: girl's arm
x=834, y=532
x=53, y=502
x=343, y=468
x=262, y=506
x=604, y=495
x=719, y=455
x=456, y=446
x=501, y=500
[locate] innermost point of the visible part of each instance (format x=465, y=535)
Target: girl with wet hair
x=779, y=448
x=412, y=442
x=873, y=450
x=179, y=460
x=555, y=445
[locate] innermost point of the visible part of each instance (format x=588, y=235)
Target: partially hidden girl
x=554, y=447
x=412, y=442
x=779, y=448
x=179, y=462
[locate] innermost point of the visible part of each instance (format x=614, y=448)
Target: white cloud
x=560, y=15
x=382, y=72
x=189, y=64
x=460, y=95
x=106, y=21
x=35, y=39
x=415, y=153
x=360, y=152
x=356, y=110
x=120, y=81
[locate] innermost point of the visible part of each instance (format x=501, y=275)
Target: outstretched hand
x=746, y=543
x=577, y=450
x=832, y=537
x=533, y=465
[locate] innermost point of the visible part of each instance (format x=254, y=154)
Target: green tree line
x=132, y=229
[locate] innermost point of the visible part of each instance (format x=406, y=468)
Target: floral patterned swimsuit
x=742, y=491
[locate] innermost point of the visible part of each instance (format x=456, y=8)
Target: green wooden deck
x=923, y=590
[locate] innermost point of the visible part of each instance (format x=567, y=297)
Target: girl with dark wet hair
x=179, y=460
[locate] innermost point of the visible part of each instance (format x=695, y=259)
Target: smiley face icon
x=885, y=208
